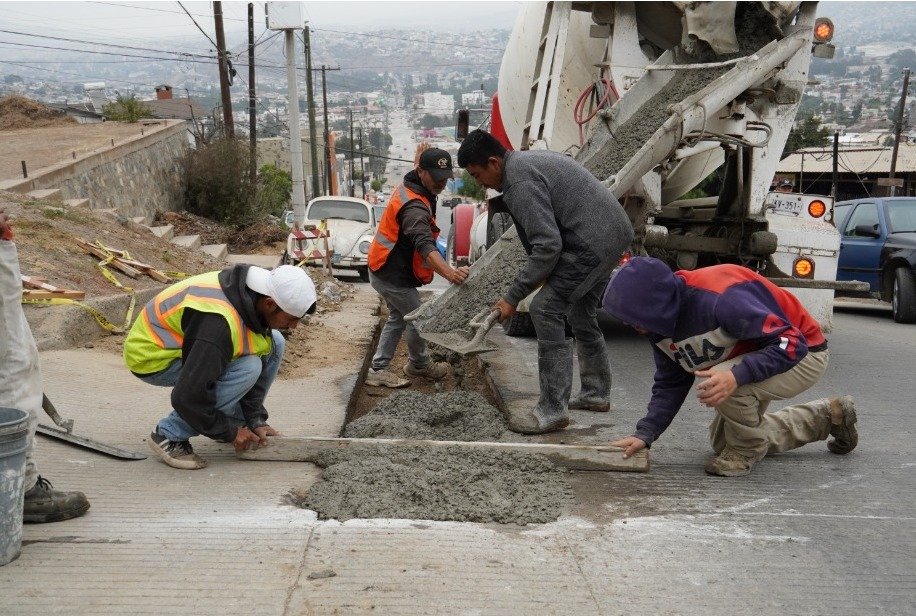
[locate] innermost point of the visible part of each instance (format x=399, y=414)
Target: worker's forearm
x=435, y=261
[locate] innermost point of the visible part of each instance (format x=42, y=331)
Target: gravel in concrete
x=455, y=483
x=451, y=416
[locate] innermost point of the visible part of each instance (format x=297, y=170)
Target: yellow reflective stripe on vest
x=157, y=336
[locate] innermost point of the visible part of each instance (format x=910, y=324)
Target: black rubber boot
x=555, y=376
x=43, y=504
x=595, y=374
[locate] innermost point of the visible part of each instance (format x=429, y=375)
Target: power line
x=197, y=24
x=69, y=40
x=148, y=8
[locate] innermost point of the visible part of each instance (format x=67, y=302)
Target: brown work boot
x=385, y=378
x=586, y=403
x=433, y=370
x=843, y=425
x=530, y=424
x=730, y=463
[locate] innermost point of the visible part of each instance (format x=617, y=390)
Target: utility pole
x=252, y=114
x=223, y=69
x=313, y=129
x=892, y=189
x=295, y=135
x=327, y=147
x=836, y=157
x=362, y=168
x=352, y=187
x=328, y=164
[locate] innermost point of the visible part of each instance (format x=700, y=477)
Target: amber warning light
x=803, y=268
x=817, y=208
x=823, y=30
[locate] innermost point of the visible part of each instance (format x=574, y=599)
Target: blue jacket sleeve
x=750, y=312
x=672, y=383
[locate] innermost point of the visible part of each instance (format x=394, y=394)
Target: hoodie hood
x=645, y=293
x=232, y=280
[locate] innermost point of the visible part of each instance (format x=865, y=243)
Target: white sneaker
x=385, y=378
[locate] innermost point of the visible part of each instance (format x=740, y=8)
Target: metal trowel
x=470, y=340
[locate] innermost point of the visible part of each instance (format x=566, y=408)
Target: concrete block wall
x=135, y=177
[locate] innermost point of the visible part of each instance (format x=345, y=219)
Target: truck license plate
x=786, y=207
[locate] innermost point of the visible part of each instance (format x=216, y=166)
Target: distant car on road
x=351, y=223
x=878, y=246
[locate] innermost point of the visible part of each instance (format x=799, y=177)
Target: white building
x=477, y=97
x=437, y=103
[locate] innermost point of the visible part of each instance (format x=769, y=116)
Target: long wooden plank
x=64, y=293
x=575, y=457
x=98, y=252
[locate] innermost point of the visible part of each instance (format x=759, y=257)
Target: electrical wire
x=198, y=25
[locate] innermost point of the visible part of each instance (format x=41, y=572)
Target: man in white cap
x=214, y=339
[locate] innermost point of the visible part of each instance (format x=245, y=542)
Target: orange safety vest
x=386, y=237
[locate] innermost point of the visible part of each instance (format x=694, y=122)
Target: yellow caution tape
x=99, y=317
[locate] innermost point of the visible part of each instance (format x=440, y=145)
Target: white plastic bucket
x=14, y=432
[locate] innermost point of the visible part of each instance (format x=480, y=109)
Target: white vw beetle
x=351, y=223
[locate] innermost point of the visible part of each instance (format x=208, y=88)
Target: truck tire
x=519, y=325
x=903, y=300
x=497, y=224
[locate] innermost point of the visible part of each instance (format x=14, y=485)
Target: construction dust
x=445, y=484
x=451, y=416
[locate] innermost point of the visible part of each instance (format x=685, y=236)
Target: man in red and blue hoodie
x=750, y=341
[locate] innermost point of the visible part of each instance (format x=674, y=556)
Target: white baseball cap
x=287, y=285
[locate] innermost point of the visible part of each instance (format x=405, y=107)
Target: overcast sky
x=124, y=21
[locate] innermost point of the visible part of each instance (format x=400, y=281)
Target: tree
x=126, y=109
x=805, y=134
x=429, y=120
x=275, y=186
x=902, y=59
x=218, y=185
x=857, y=111
x=470, y=188
x=377, y=184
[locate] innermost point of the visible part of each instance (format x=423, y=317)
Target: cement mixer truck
x=652, y=98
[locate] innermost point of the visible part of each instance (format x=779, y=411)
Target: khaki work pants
x=743, y=424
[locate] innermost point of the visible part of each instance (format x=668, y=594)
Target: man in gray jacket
x=574, y=231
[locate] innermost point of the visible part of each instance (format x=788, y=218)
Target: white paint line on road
x=798, y=514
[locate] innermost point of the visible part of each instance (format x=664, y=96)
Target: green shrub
x=126, y=110
x=217, y=183
x=275, y=186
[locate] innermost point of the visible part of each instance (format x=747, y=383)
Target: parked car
x=351, y=223
x=878, y=246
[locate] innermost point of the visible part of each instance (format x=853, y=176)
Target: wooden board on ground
x=574, y=457
x=64, y=294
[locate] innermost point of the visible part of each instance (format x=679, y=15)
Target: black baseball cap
x=438, y=163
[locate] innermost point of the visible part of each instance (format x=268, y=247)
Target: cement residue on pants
x=451, y=416
x=453, y=483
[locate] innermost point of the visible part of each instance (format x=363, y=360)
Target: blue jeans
x=238, y=379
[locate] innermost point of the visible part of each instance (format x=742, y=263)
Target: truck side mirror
x=462, y=128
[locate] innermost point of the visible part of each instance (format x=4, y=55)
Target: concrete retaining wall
x=136, y=177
